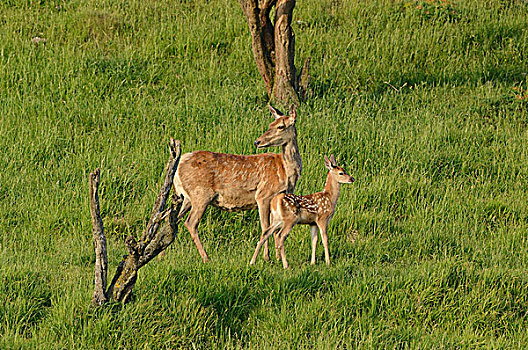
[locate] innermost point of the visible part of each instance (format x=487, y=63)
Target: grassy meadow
x=425, y=103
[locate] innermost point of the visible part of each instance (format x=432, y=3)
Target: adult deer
x=240, y=182
x=316, y=210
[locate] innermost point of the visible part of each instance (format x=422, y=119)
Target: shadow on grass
x=236, y=298
x=232, y=304
x=306, y=284
x=404, y=83
x=25, y=299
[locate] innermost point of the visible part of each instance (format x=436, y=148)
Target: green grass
x=425, y=103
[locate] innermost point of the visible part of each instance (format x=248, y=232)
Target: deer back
x=230, y=181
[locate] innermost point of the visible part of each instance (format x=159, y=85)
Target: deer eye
x=280, y=127
x=341, y=173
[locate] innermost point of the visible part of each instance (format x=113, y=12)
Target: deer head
x=337, y=172
x=281, y=131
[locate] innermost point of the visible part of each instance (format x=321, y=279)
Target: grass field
x=425, y=103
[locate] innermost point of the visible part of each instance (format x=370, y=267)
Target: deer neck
x=332, y=189
x=292, y=161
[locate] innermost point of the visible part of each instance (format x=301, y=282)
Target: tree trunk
x=285, y=88
x=153, y=241
x=274, y=48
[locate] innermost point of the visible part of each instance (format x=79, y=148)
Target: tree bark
x=262, y=38
x=286, y=86
x=153, y=241
x=273, y=47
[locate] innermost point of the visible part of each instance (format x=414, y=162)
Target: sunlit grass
x=423, y=102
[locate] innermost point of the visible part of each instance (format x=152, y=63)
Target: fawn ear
x=328, y=164
x=333, y=161
x=275, y=112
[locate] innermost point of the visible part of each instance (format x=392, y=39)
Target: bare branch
x=161, y=201
x=101, y=261
x=153, y=240
x=165, y=236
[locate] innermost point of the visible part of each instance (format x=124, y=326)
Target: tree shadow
x=232, y=304
x=404, y=83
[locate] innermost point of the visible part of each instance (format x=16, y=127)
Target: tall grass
x=424, y=102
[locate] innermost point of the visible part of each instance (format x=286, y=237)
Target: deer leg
x=186, y=206
x=313, y=231
x=322, y=228
x=264, y=213
x=192, y=225
x=265, y=236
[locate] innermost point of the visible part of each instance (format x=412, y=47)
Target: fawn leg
x=314, y=231
x=265, y=236
x=283, y=235
x=322, y=228
x=276, y=237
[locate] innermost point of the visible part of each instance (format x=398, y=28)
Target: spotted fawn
x=316, y=210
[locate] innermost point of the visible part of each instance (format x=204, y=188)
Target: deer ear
x=275, y=112
x=333, y=161
x=293, y=112
x=328, y=165
x=292, y=116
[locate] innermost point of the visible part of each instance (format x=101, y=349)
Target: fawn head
x=281, y=131
x=337, y=172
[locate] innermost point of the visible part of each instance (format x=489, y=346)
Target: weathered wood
x=286, y=85
x=101, y=261
x=166, y=235
x=126, y=275
x=159, y=205
x=273, y=46
x=262, y=38
x=153, y=241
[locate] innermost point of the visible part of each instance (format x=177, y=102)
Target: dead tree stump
x=153, y=240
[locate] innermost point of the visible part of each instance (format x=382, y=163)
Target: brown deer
x=316, y=210
x=240, y=182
